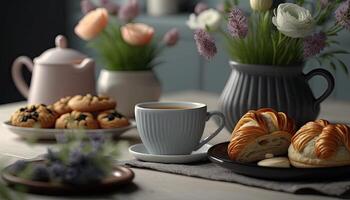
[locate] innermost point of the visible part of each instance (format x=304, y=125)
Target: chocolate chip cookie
x=37, y=115
x=76, y=120
x=90, y=103
x=61, y=106
x=112, y=119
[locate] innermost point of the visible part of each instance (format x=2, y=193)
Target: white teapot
x=56, y=73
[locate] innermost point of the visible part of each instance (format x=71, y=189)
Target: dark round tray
x=218, y=154
x=118, y=177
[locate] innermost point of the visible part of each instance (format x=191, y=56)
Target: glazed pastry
x=112, y=119
x=38, y=115
x=61, y=106
x=320, y=144
x=258, y=133
x=89, y=103
x=281, y=162
x=77, y=120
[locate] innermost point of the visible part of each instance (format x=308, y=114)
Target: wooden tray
x=119, y=176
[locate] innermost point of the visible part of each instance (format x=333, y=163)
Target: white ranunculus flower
x=210, y=18
x=293, y=21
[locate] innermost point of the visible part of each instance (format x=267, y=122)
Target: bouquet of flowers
x=122, y=44
x=290, y=34
x=78, y=160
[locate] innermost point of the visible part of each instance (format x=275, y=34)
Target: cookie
x=112, y=119
x=61, y=106
x=37, y=115
x=76, y=120
x=90, y=103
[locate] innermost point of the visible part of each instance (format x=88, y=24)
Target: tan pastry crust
x=112, y=119
x=37, y=115
x=320, y=144
x=90, y=103
x=77, y=120
x=61, y=106
x=258, y=133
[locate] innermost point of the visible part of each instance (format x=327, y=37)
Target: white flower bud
x=261, y=5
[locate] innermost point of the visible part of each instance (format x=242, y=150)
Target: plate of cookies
x=89, y=113
x=265, y=144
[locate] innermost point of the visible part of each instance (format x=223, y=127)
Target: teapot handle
x=17, y=74
x=330, y=81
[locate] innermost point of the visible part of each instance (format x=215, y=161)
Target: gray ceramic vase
x=283, y=88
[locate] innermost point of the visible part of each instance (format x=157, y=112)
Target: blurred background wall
x=30, y=26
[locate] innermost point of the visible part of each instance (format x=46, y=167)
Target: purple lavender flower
x=200, y=7
x=237, y=23
x=314, y=44
x=112, y=7
x=342, y=14
x=129, y=11
x=18, y=166
x=97, y=141
x=87, y=6
x=205, y=44
x=57, y=170
x=171, y=37
x=40, y=172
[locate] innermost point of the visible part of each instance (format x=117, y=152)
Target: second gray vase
x=283, y=88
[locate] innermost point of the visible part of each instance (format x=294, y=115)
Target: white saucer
x=139, y=151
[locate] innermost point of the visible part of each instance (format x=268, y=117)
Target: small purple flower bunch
x=77, y=161
x=237, y=27
x=289, y=34
x=342, y=15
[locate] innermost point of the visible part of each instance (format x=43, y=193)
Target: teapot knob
x=61, y=41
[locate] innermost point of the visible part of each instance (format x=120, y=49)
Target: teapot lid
x=60, y=54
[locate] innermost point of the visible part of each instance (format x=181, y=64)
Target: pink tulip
x=87, y=6
x=137, y=34
x=112, y=7
x=129, y=11
x=92, y=24
x=171, y=37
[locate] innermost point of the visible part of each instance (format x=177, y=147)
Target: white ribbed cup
x=173, y=131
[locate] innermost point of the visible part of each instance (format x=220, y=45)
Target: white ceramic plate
x=139, y=151
x=49, y=134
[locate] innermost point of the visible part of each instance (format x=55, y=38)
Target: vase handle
x=330, y=81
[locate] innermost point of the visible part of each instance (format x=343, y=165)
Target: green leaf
x=343, y=65
x=333, y=66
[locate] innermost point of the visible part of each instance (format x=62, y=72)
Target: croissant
x=258, y=133
x=320, y=144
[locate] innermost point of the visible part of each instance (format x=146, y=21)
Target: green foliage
x=331, y=59
x=323, y=15
x=76, y=152
x=228, y=4
x=263, y=44
x=7, y=194
x=116, y=54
